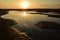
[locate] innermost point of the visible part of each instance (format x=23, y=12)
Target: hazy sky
x=33, y=3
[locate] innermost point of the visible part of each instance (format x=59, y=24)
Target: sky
x=31, y=3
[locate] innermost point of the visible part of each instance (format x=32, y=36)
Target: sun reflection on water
x=24, y=13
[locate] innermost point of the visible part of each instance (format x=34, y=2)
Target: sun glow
x=24, y=4
x=24, y=13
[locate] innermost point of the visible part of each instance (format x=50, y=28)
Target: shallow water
x=26, y=21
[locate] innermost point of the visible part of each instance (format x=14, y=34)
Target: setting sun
x=24, y=4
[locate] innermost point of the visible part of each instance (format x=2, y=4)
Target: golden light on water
x=24, y=4
x=24, y=13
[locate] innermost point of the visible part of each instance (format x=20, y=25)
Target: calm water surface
x=26, y=21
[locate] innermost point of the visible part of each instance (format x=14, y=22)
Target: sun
x=24, y=4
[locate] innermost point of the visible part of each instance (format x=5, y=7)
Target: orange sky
x=32, y=3
x=30, y=6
